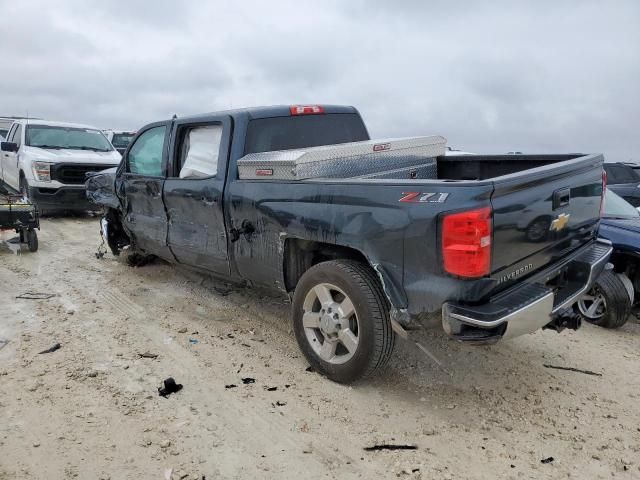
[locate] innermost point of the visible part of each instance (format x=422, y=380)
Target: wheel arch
x=299, y=255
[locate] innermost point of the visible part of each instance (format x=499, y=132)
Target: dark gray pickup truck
x=370, y=239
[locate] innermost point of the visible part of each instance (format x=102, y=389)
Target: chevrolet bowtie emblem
x=560, y=222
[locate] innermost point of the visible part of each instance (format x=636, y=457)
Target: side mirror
x=9, y=147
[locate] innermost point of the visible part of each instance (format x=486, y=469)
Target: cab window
x=145, y=155
x=16, y=135
x=198, y=151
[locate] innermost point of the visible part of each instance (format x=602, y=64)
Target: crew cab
x=301, y=200
x=47, y=161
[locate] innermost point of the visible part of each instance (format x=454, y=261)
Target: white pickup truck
x=47, y=161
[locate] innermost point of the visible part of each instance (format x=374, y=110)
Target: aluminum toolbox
x=346, y=160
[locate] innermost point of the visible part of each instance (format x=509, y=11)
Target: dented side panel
x=398, y=239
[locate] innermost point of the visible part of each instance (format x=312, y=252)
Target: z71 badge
x=422, y=197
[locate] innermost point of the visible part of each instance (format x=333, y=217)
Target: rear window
x=122, y=140
x=286, y=133
x=619, y=174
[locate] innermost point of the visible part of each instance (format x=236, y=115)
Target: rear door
x=10, y=160
x=3, y=155
x=193, y=193
x=543, y=213
x=140, y=186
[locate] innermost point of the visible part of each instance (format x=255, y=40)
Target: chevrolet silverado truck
x=370, y=239
x=47, y=161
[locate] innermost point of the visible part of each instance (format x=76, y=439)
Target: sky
x=491, y=76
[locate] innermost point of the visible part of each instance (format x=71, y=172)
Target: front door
x=140, y=186
x=193, y=193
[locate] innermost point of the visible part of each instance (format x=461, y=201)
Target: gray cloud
x=499, y=76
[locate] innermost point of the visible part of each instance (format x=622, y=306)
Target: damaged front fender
x=101, y=188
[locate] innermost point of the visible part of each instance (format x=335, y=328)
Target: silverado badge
x=560, y=222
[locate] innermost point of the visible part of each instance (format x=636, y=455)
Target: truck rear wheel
x=607, y=304
x=341, y=320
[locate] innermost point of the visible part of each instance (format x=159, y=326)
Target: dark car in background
x=608, y=304
x=120, y=139
x=624, y=179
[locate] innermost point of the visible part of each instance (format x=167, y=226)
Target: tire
x=615, y=308
x=341, y=345
x=24, y=187
x=32, y=240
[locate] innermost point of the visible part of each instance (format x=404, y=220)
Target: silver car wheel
x=330, y=323
x=593, y=305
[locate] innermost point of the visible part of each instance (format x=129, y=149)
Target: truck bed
x=417, y=158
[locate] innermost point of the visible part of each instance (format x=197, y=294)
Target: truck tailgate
x=541, y=214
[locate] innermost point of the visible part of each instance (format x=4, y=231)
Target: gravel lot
x=91, y=409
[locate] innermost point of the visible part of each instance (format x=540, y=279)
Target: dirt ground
x=91, y=409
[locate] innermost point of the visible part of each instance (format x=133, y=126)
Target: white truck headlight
x=42, y=171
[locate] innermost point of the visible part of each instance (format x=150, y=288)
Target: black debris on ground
x=387, y=446
x=170, y=386
x=279, y=404
x=36, y=296
x=241, y=365
x=53, y=348
x=547, y=460
x=248, y=380
x=309, y=369
x=231, y=385
x=148, y=355
x=571, y=369
x=271, y=389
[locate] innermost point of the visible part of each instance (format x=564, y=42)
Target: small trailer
x=17, y=213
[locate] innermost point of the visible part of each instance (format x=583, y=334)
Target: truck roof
x=52, y=123
x=270, y=111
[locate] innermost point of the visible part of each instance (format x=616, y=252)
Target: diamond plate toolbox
x=346, y=160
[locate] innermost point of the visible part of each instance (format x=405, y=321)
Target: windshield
x=286, y=133
x=122, y=140
x=3, y=132
x=45, y=136
x=616, y=207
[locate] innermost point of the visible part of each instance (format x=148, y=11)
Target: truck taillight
x=306, y=109
x=466, y=243
x=604, y=190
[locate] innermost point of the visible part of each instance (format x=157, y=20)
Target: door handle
x=561, y=198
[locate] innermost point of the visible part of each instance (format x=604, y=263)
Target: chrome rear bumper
x=532, y=304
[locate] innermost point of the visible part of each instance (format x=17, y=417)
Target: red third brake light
x=306, y=109
x=604, y=190
x=466, y=243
